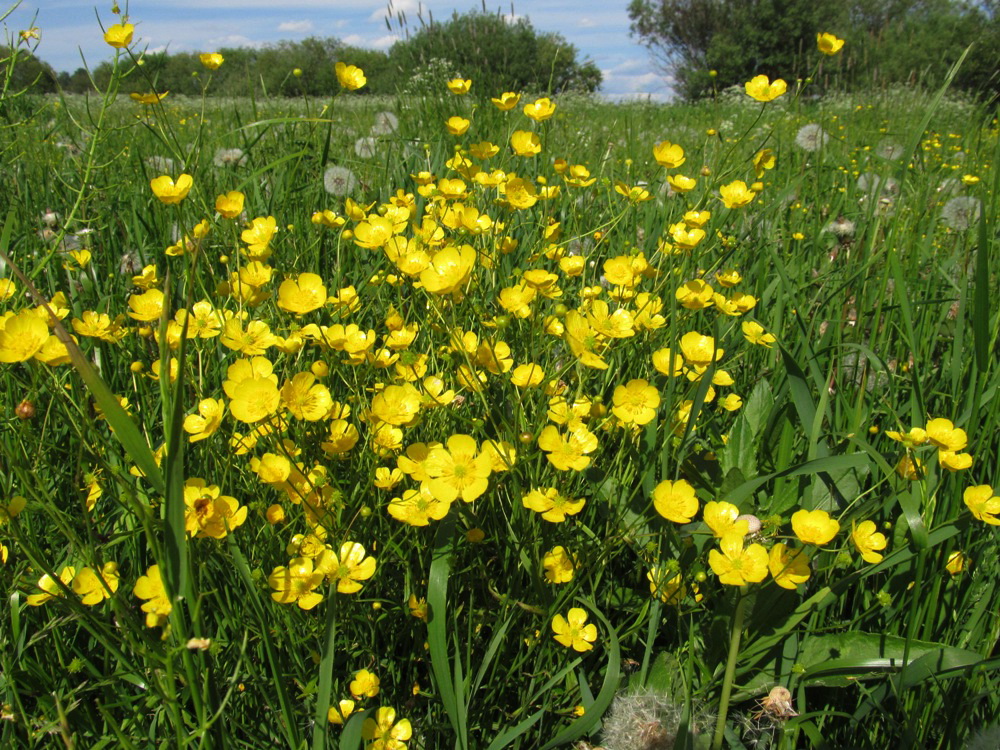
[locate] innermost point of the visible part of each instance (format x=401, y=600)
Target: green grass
x=882, y=328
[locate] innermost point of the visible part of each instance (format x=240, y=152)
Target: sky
x=598, y=28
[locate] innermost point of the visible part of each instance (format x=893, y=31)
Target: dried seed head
x=25, y=410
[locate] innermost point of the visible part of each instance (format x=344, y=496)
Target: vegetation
x=889, y=41
x=500, y=55
x=443, y=422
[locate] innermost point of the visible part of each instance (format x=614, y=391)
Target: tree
x=497, y=53
x=888, y=41
x=737, y=38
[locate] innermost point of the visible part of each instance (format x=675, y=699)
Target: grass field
x=621, y=426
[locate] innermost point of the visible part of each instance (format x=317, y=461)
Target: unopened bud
x=25, y=410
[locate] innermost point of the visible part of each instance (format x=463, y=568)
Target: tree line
x=495, y=52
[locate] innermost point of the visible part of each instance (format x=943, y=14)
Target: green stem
x=727, y=683
x=321, y=724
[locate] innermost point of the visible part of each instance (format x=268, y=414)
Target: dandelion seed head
x=811, y=137
x=960, y=213
x=339, y=181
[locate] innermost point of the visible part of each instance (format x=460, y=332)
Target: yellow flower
x=152, y=98
x=635, y=193
x=341, y=711
x=669, y=591
x=230, y=205
x=788, y=567
x=506, y=101
x=147, y=306
x=636, y=402
x=828, y=44
x=956, y=562
x=258, y=237
x=364, y=684
x=983, y=503
x=418, y=507
x=22, y=336
x=763, y=90
x=527, y=376
x=681, y=184
x=254, y=399
x=910, y=467
x=584, y=341
x=762, y=161
x=540, y=109
x=695, y=294
x=209, y=513
x=457, y=125
x=675, y=501
x=171, y=192
x=450, y=270
x=119, y=35
x=211, y=60
x=814, y=527
x=954, y=461
x=568, y=451
x=460, y=471
x=305, y=398
x=699, y=350
x=520, y=193
x=204, y=424
x=552, y=505
x=296, y=583
x=50, y=588
x=736, y=194
x=525, y=143
x=559, y=565
x=303, y=294
x=754, y=333
x=350, y=77
x=867, y=541
x=348, y=568
x=571, y=631
x=735, y=565
x=384, y=732
x=157, y=604
x=944, y=434
x=397, y=404
x=459, y=86
x=93, y=588
x=669, y=155
x=721, y=518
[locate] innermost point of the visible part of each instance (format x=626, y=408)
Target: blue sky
x=600, y=30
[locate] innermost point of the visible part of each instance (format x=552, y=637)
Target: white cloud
x=233, y=40
x=296, y=27
x=410, y=7
x=586, y=23
x=384, y=42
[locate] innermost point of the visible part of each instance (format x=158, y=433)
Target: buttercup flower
x=669, y=155
x=552, y=504
x=211, y=60
x=302, y=294
x=763, y=90
x=736, y=565
x=983, y=503
x=721, y=518
x=50, y=588
x=296, y=583
x=828, y=44
x=559, y=565
x=675, y=501
x=506, y=101
x=669, y=590
x=364, y=685
x=230, y=205
x=119, y=35
x=636, y=402
x=457, y=125
x=384, y=732
x=736, y=194
x=171, y=192
x=867, y=541
x=789, y=567
x=157, y=604
x=525, y=143
x=540, y=109
x=460, y=471
x=337, y=714
x=350, y=77
x=572, y=632
x=92, y=587
x=814, y=527
x=459, y=86
x=348, y=568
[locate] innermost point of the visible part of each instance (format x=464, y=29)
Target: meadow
x=494, y=420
